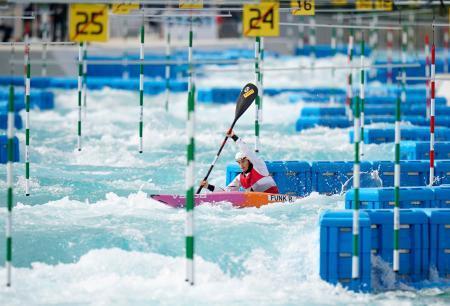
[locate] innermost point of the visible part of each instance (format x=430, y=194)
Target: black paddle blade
x=246, y=98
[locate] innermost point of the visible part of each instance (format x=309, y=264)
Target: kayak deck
x=237, y=199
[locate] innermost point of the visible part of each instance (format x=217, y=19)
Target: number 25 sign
x=88, y=22
x=261, y=19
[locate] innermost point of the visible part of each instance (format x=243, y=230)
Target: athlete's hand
x=230, y=133
x=204, y=184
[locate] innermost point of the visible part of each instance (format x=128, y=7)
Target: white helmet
x=239, y=156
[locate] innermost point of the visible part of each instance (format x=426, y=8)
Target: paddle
x=245, y=99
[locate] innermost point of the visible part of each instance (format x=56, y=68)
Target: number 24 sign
x=261, y=19
x=88, y=22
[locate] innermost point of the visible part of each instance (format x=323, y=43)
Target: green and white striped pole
x=27, y=71
x=362, y=93
x=80, y=86
x=190, y=168
x=349, y=98
x=168, y=51
x=141, y=90
x=9, y=186
x=84, y=77
x=396, y=261
x=356, y=179
x=404, y=46
x=258, y=84
x=261, y=67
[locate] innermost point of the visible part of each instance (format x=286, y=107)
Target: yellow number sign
x=261, y=19
x=124, y=8
x=88, y=22
x=364, y=4
x=191, y=4
x=303, y=7
x=385, y=5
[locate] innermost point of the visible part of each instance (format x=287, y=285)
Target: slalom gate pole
x=190, y=173
x=432, y=109
x=27, y=71
x=141, y=89
x=9, y=185
x=349, y=97
x=80, y=86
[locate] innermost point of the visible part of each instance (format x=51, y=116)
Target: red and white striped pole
x=389, y=45
x=427, y=72
x=432, y=109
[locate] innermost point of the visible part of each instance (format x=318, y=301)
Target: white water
x=89, y=235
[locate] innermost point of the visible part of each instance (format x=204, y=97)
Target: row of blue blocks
x=377, y=135
x=327, y=51
x=413, y=150
x=383, y=109
x=229, y=94
x=424, y=246
x=309, y=122
x=328, y=177
x=151, y=87
x=410, y=197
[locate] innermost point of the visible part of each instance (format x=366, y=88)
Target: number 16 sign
x=261, y=19
x=88, y=22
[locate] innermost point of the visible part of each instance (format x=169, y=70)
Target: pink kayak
x=238, y=199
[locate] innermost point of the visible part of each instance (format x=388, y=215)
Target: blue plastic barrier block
x=322, y=111
x=440, y=242
x=412, y=172
x=4, y=121
x=304, y=123
x=4, y=149
x=413, y=241
x=442, y=171
x=421, y=150
x=442, y=196
x=64, y=83
x=383, y=198
x=328, y=177
x=336, y=250
x=372, y=135
x=292, y=177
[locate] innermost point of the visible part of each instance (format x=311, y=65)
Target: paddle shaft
x=217, y=156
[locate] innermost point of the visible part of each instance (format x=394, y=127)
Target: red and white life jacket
x=254, y=181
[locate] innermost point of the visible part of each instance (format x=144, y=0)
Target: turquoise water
x=88, y=234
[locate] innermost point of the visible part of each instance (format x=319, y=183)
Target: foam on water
x=90, y=235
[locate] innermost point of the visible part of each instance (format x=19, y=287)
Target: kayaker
x=254, y=175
